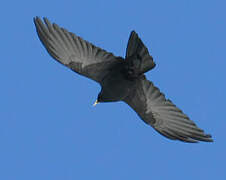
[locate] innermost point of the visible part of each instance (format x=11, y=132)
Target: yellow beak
x=96, y=102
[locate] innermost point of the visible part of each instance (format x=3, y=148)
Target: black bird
x=121, y=79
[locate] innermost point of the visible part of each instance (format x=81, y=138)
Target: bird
x=121, y=79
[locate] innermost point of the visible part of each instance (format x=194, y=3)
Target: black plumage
x=121, y=79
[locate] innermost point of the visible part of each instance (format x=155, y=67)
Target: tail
x=137, y=51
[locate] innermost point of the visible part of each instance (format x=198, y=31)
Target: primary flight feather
x=121, y=79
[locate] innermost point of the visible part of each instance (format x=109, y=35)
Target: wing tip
x=38, y=19
x=178, y=136
x=197, y=139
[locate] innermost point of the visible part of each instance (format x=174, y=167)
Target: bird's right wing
x=74, y=52
x=154, y=109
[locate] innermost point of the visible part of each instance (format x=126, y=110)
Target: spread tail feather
x=137, y=56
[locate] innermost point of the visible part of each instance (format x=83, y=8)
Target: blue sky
x=49, y=129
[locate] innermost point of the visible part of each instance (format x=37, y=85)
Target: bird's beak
x=96, y=102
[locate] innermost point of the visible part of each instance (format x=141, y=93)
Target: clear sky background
x=49, y=129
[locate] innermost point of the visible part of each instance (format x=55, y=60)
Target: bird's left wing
x=154, y=109
x=74, y=52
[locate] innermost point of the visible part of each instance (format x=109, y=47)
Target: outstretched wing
x=154, y=109
x=137, y=55
x=74, y=52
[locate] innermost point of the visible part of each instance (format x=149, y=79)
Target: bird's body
x=115, y=86
x=121, y=79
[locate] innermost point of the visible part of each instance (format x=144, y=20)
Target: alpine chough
x=121, y=79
